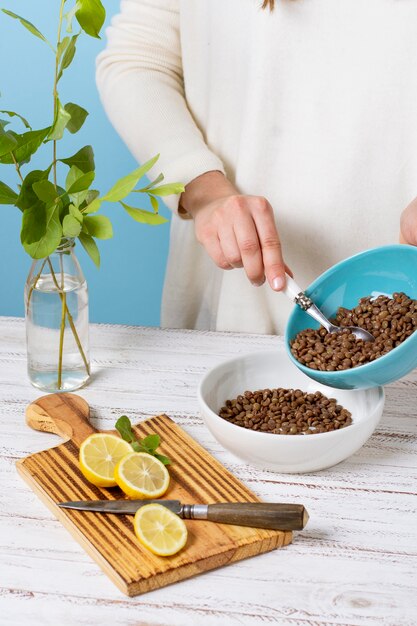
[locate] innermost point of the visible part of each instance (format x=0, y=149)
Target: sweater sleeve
x=140, y=81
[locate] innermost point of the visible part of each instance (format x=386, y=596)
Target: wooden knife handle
x=64, y=414
x=259, y=515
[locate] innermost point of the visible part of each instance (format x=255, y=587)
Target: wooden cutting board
x=196, y=477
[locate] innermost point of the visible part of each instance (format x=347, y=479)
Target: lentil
x=390, y=320
x=288, y=412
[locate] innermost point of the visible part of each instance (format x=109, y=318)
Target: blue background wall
x=127, y=287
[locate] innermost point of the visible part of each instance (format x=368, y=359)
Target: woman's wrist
x=204, y=189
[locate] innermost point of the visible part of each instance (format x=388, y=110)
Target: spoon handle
x=297, y=295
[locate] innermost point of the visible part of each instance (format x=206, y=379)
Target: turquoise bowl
x=385, y=270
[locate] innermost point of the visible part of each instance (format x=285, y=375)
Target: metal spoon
x=297, y=295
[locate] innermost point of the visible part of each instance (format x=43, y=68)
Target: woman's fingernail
x=278, y=283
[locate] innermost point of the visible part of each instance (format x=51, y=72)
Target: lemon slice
x=141, y=475
x=99, y=454
x=160, y=530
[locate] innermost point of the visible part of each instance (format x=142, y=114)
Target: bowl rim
x=334, y=375
x=256, y=433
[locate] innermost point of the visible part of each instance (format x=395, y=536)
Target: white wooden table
x=355, y=563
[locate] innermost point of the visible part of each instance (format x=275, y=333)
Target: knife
x=275, y=516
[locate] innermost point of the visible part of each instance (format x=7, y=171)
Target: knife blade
x=274, y=516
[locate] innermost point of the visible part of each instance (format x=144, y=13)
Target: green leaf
x=83, y=159
x=27, y=196
x=68, y=55
x=62, y=46
x=30, y=27
x=71, y=227
x=157, y=180
x=151, y=442
x=8, y=142
x=125, y=185
x=79, y=197
x=144, y=217
x=154, y=203
x=90, y=247
x=168, y=190
x=124, y=428
x=93, y=206
x=92, y=194
x=7, y=195
x=45, y=191
x=76, y=213
x=78, y=117
x=165, y=460
x=13, y=114
x=73, y=175
x=69, y=17
x=90, y=15
x=61, y=121
x=98, y=226
x=33, y=223
x=82, y=183
x=50, y=239
x=27, y=145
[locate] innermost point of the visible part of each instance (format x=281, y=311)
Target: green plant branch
x=70, y=320
x=55, y=89
x=61, y=337
x=62, y=293
x=35, y=282
x=16, y=164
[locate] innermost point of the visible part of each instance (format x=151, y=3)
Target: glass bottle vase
x=56, y=306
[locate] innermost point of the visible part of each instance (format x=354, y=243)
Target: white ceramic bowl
x=284, y=453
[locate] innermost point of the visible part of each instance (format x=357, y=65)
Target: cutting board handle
x=64, y=414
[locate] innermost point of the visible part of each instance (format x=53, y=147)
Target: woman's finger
x=212, y=245
x=270, y=245
x=250, y=250
x=230, y=247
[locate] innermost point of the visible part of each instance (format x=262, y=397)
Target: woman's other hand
x=236, y=230
x=408, y=224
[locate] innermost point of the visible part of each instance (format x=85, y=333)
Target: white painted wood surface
x=355, y=563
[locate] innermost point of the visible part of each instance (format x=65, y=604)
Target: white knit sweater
x=313, y=106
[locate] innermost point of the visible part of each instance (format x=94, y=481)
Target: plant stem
x=35, y=282
x=55, y=89
x=16, y=164
x=61, y=337
x=70, y=320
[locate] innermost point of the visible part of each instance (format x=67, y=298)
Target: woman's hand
x=408, y=224
x=235, y=230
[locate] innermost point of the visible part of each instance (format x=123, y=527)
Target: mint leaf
x=164, y=459
x=148, y=444
x=151, y=442
x=124, y=428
